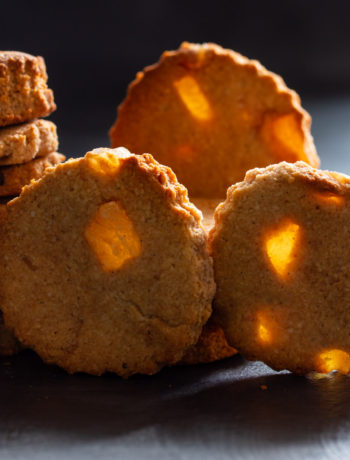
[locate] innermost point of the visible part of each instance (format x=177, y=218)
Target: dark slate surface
x=217, y=411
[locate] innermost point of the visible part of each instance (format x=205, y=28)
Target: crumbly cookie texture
x=22, y=143
x=211, y=346
x=128, y=279
x=24, y=94
x=9, y=345
x=282, y=264
x=14, y=178
x=211, y=114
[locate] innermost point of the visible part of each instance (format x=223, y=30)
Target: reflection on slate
x=200, y=412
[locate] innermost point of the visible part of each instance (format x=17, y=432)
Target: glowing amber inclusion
x=106, y=162
x=112, y=236
x=264, y=333
x=193, y=98
x=283, y=134
x=280, y=244
x=331, y=360
x=265, y=327
x=329, y=198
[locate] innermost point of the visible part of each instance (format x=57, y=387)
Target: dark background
x=230, y=409
x=94, y=49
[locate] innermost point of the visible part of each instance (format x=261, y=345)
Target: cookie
x=207, y=207
x=21, y=143
x=121, y=280
x=282, y=263
x=9, y=345
x=211, y=346
x=24, y=94
x=13, y=178
x=211, y=114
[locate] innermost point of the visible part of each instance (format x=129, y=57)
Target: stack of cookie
x=28, y=144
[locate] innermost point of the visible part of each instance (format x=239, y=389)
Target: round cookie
x=24, y=94
x=128, y=282
x=21, y=143
x=13, y=178
x=282, y=263
x=211, y=114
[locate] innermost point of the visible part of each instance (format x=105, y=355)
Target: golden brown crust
x=281, y=260
x=136, y=318
x=14, y=178
x=237, y=115
x=24, y=94
x=22, y=143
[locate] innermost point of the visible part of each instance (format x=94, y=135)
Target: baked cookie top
x=21, y=143
x=24, y=94
x=105, y=266
x=211, y=114
x=282, y=262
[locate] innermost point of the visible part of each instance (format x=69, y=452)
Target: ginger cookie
x=13, y=178
x=24, y=94
x=9, y=345
x=211, y=114
x=128, y=281
x=211, y=346
x=282, y=263
x=22, y=143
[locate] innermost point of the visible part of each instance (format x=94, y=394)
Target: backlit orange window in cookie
x=329, y=198
x=280, y=244
x=267, y=327
x=270, y=325
x=331, y=360
x=193, y=98
x=283, y=135
x=264, y=332
x=106, y=163
x=112, y=236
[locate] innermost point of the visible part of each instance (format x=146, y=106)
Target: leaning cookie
x=211, y=114
x=24, y=94
x=22, y=143
x=121, y=280
x=282, y=264
x=13, y=178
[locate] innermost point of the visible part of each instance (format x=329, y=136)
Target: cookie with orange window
x=128, y=281
x=211, y=114
x=282, y=263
